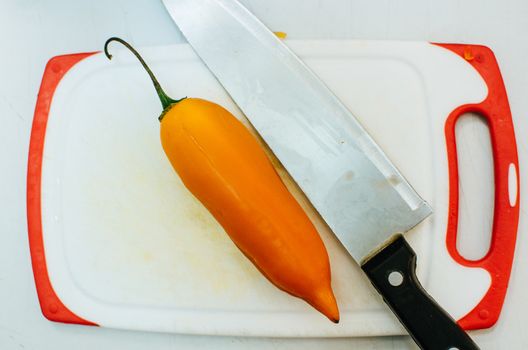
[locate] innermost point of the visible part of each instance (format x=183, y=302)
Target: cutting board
x=117, y=241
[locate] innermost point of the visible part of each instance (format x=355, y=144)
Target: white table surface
x=32, y=31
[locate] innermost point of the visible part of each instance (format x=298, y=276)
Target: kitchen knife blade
x=355, y=188
x=348, y=179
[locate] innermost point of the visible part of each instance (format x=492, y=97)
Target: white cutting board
x=127, y=246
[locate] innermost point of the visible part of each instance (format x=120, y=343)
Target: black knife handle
x=429, y=325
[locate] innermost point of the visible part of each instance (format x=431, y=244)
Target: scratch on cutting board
x=12, y=108
x=125, y=19
x=39, y=18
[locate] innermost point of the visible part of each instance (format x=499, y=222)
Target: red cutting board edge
x=52, y=307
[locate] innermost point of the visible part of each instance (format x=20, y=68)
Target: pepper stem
x=166, y=101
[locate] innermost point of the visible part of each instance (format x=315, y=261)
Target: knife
x=346, y=176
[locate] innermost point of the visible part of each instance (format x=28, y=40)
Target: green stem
x=166, y=101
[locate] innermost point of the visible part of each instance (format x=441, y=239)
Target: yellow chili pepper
x=224, y=166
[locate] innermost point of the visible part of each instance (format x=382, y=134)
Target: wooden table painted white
x=32, y=31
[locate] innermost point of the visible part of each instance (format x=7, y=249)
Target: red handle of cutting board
x=496, y=110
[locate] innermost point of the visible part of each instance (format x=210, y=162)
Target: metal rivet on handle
x=395, y=278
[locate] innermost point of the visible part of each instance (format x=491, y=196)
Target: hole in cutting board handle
x=476, y=186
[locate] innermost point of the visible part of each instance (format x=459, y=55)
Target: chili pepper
x=224, y=166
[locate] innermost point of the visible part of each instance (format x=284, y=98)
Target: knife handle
x=392, y=272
